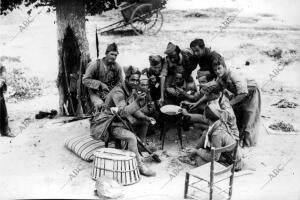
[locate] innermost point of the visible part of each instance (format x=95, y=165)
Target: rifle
x=129, y=127
x=141, y=145
x=74, y=119
x=79, y=110
x=67, y=82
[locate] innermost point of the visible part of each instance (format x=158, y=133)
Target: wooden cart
x=144, y=17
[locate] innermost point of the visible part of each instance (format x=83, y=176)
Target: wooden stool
x=165, y=128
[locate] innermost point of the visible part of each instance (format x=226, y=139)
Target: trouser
x=4, y=129
x=248, y=117
x=141, y=129
x=123, y=134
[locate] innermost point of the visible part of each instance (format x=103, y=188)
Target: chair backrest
x=229, y=148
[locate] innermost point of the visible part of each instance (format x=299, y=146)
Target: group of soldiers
x=225, y=103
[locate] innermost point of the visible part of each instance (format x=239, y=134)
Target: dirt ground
x=35, y=164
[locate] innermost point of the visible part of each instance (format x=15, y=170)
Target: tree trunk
x=73, y=52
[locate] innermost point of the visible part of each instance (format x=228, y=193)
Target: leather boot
x=144, y=170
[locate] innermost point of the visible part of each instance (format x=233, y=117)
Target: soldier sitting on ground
x=222, y=131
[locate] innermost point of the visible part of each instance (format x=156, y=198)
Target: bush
x=21, y=86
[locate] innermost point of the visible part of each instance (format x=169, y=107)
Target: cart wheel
x=145, y=20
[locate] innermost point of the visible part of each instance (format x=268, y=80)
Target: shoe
x=151, y=147
x=146, y=171
x=8, y=133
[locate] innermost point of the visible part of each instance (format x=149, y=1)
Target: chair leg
x=211, y=190
x=186, y=185
x=164, y=131
x=106, y=144
x=230, y=185
x=179, y=133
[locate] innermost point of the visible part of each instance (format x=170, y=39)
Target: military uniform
x=220, y=136
x=175, y=94
x=221, y=133
x=129, y=110
x=206, y=61
x=97, y=73
x=187, y=63
x=248, y=110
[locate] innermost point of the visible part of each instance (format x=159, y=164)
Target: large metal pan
x=171, y=113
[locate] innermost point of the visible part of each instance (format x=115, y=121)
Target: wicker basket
x=120, y=165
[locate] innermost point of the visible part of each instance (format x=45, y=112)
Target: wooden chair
x=213, y=173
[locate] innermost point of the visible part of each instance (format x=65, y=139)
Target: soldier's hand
x=180, y=91
x=114, y=110
x=104, y=87
x=161, y=101
x=1, y=82
x=193, y=106
x=228, y=94
x=151, y=120
x=183, y=111
x=141, y=96
x=98, y=106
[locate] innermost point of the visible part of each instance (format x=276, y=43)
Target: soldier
x=153, y=74
x=127, y=104
x=179, y=90
x=175, y=60
x=102, y=75
x=204, y=57
x=222, y=131
x=245, y=99
x=4, y=129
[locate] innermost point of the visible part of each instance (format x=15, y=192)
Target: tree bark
x=73, y=49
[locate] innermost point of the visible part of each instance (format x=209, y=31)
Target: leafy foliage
x=92, y=7
x=20, y=86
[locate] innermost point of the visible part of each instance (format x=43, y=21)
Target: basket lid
x=114, y=154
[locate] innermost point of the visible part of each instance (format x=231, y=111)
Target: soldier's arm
x=241, y=87
x=88, y=79
x=3, y=78
x=124, y=110
x=197, y=118
x=120, y=74
x=140, y=115
x=171, y=91
x=216, y=142
x=163, y=74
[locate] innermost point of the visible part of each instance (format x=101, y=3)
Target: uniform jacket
x=129, y=110
x=98, y=72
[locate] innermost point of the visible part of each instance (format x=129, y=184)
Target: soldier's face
x=174, y=57
x=152, y=79
x=201, y=80
x=219, y=70
x=198, y=51
x=111, y=56
x=156, y=69
x=133, y=81
x=178, y=79
x=144, y=84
